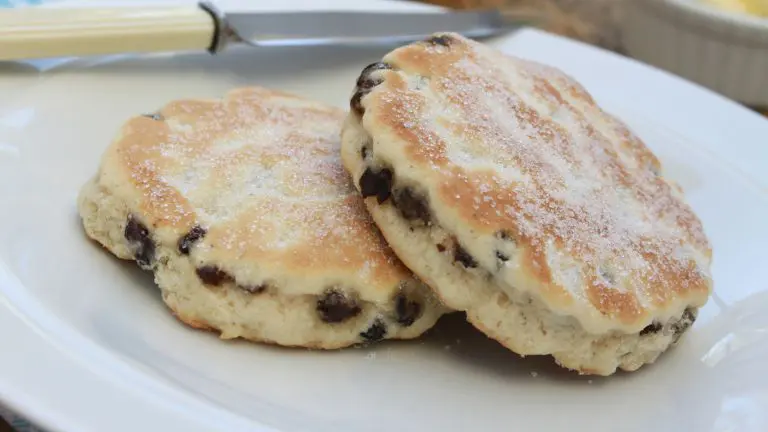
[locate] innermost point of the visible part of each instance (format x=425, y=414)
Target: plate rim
x=40, y=399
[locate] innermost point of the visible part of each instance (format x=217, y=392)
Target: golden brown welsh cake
x=243, y=210
x=505, y=187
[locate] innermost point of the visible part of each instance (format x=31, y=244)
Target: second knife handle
x=59, y=32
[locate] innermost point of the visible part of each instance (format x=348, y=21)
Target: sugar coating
x=499, y=144
x=259, y=174
x=571, y=240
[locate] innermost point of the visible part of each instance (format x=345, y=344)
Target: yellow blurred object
x=752, y=7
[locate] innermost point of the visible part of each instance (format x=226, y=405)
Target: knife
x=35, y=32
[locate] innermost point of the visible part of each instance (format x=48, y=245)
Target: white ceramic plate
x=86, y=344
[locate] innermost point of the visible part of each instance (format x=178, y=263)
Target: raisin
x=462, y=256
x=365, y=74
x=408, y=311
x=651, y=328
x=501, y=256
x=412, y=206
x=368, y=83
x=378, y=184
x=443, y=40
x=212, y=275
x=143, y=247
x=135, y=231
x=335, y=307
x=685, y=322
x=440, y=247
x=186, y=242
x=678, y=328
x=355, y=104
x=375, y=332
x=364, y=85
x=145, y=255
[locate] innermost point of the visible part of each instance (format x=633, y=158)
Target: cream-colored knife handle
x=48, y=32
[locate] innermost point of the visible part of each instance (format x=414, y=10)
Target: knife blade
x=63, y=32
x=354, y=28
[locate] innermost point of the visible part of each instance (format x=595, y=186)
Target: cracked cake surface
x=505, y=187
x=242, y=209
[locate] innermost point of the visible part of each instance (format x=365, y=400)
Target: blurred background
x=720, y=44
x=593, y=21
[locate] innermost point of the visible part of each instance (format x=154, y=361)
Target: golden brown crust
x=500, y=144
x=260, y=172
x=192, y=322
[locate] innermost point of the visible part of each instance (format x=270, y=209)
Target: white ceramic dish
x=722, y=50
x=87, y=345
